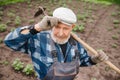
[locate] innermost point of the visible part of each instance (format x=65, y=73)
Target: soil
x=99, y=32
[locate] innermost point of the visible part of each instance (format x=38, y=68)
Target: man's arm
x=85, y=59
x=18, y=39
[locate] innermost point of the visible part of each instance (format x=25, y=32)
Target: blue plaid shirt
x=39, y=48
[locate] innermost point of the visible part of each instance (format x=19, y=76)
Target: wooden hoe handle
x=94, y=52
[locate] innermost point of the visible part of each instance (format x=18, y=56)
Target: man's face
x=61, y=33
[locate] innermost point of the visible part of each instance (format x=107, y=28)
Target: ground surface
x=100, y=33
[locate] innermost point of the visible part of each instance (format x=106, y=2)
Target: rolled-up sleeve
x=18, y=41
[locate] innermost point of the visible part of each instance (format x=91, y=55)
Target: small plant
x=5, y=62
x=114, y=46
x=10, y=14
x=116, y=26
x=115, y=37
x=1, y=40
x=93, y=78
x=17, y=20
x=82, y=16
x=107, y=68
x=79, y=28
x=113, y=14
x=3, y=27
x=1, y=13
x=0, y=18
x=116, y=21
x=12, y=11
x=17, y=64
x=118, y=32
x=28, y=69
x=110, y=29
x=8, y=22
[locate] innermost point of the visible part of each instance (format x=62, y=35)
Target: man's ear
x=73, y=25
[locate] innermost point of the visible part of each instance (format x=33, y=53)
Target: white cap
x=66, y=15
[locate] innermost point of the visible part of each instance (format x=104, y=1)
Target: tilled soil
x=99, y=32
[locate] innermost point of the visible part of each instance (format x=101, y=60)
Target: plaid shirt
x=39, y=48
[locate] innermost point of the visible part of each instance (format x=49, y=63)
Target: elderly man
x=54, y=52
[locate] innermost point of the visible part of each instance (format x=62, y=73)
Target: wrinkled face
x=61, y=33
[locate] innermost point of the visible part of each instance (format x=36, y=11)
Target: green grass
x=106, y=2
x=6, y=2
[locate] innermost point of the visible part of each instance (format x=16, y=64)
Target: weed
x=91, y=21
x=93, y=78
x=0, y=18
x=17, y=21
x=3, y=27
x=116, y=21
x=107, y=68
x=1, y=13
x=17, y=64
x=118, y=13
x=79, y=28
x=110, y=29
x=30, y=5
x=5, y=62
x=115, y=37
x=116, y=26
x=12, y=11
x=82, y=16
x=118, y=32
x=113, y=14
x=114, y=46
x=28, y=69
x=8, y=22
x=10, y=14
x=1, y=40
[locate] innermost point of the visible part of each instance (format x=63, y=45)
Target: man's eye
x=57, y=27
x=65, y=28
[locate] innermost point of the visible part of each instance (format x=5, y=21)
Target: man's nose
x=61, y=32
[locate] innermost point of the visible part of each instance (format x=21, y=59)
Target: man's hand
x=100, y=57
x=48, y=22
